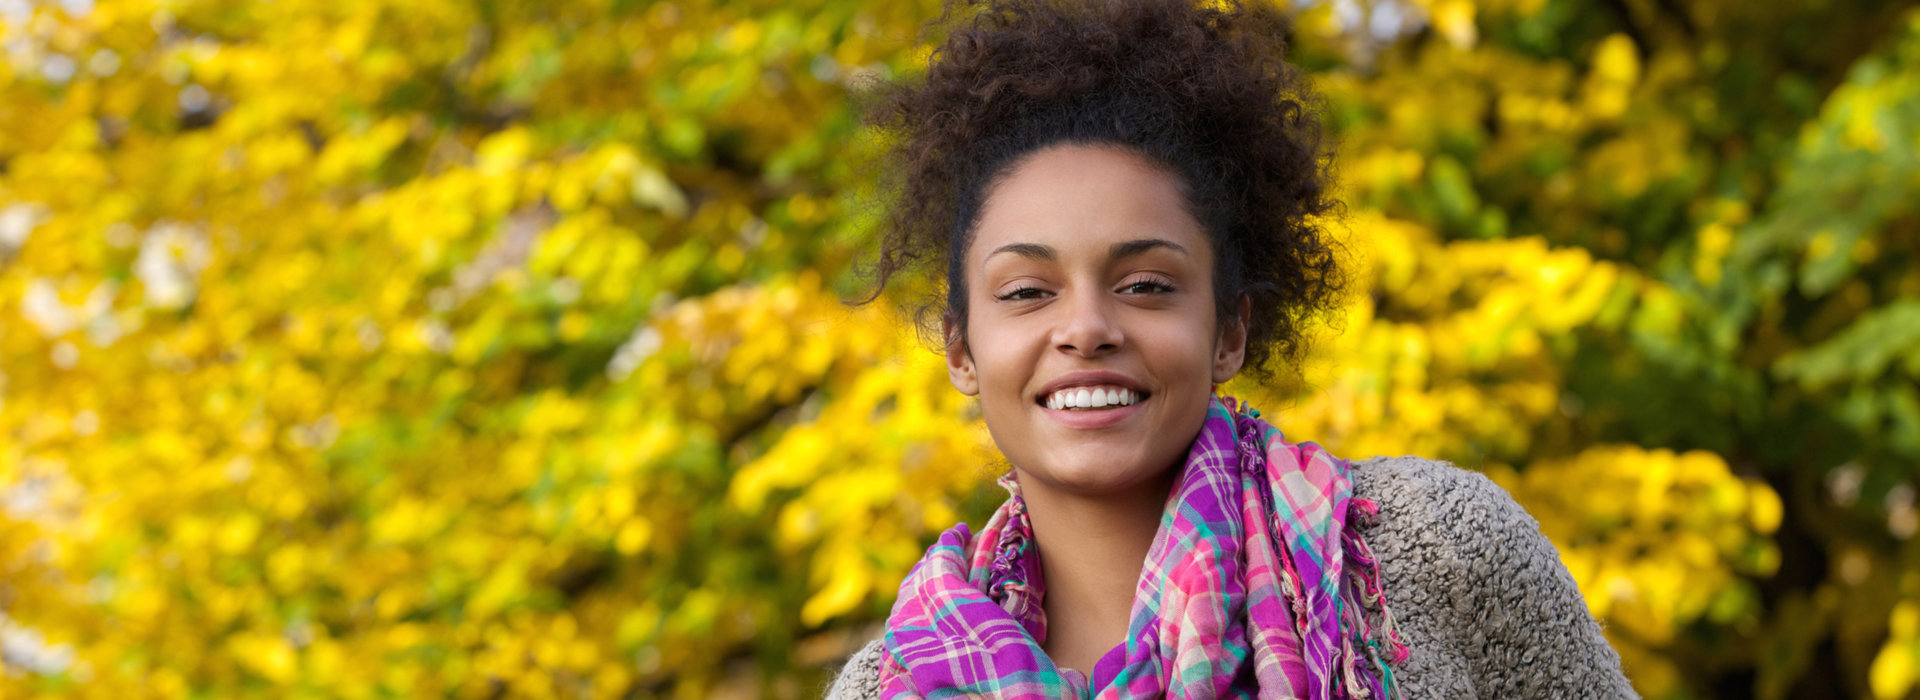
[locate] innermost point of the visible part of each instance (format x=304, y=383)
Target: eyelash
x=1015, y=294
x=1159, y=287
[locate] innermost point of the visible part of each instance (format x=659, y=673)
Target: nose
x=1088, y=327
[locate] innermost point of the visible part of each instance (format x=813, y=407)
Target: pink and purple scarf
x=1257, y=585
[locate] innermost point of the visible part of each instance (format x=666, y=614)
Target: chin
x=1092, y=475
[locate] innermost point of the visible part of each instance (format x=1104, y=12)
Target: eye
x=1149, y=285
x=1022, y=294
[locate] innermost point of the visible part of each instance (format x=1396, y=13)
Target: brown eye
x=1020, y=294
x=1147, y=286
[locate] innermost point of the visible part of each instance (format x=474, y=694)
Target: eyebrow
x=1123, y=249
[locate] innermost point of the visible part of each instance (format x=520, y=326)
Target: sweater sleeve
x=859, y=679
x=1525, y=615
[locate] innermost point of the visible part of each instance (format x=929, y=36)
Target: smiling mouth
x=1091, y=398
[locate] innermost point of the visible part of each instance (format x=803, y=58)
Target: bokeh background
x=496, y=348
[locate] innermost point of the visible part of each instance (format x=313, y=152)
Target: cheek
x=1002, y=356
x=1179, y=343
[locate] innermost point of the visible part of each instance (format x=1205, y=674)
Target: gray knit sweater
x=1479, y=595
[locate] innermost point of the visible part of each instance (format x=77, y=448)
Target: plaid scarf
x=1256, y=585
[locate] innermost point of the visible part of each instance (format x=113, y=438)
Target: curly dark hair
x=1201, y=90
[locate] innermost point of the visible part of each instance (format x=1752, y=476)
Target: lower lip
x=1093, y=419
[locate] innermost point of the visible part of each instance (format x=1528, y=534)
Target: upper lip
x=1075, y=379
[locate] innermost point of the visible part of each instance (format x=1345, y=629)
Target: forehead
x=1083, y=198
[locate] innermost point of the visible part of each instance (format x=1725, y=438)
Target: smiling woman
x=1066, y=299
x=1123, y=199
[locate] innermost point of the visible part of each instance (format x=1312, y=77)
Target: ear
x=1230, y=350
x=960, y=370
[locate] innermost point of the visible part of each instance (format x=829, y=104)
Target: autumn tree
x=386, y=349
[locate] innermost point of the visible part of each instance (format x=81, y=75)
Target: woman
x=1124, y=198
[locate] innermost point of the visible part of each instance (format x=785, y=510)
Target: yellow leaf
x=849, y=579
x=1893, y=673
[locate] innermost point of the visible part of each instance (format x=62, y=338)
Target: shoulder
x=859, y=679
x=1423, y=486
x=1472, y=577
x=1438, y=498
x=1449, y=529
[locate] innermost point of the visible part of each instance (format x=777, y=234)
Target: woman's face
x=1092, y=338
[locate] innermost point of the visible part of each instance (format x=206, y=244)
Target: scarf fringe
x=1000, y=566
x=1371, y=622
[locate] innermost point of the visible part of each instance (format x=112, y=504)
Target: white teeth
x=1091, y=397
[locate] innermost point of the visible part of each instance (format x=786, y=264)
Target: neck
x=1092, y=549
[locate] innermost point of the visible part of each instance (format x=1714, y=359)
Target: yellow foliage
x=1896, y=669
x=381, y=349
x=1656, y=540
